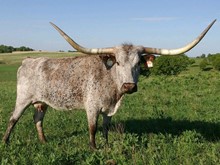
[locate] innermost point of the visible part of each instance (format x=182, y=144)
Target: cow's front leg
x=92, y=122
x=105, y=125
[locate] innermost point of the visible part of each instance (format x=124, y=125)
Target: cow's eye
x=110, y=62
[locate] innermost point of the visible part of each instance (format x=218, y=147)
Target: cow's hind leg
x=19, y=109
x=38, y=120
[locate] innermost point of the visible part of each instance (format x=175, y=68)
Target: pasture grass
x=170, y=120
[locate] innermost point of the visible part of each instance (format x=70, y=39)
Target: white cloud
x=154, y=19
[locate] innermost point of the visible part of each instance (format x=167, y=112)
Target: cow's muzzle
x=129, y=88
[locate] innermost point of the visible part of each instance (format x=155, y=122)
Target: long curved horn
x=179, y=50
x=80, y=48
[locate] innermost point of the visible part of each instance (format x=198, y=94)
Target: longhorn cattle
x=95, y=82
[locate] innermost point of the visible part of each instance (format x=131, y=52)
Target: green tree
x=203, y=64
x=216, y=63
x=214, y=60
x=203, y=56
x=6, y=49
x=170, y=65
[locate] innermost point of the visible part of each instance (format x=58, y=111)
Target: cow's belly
x=63, y=101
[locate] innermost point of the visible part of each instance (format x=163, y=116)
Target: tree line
x=174, y=65
x=10, y=49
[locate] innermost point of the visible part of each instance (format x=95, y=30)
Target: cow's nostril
x=129, y=88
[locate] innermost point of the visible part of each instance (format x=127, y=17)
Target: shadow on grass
x=210, y=131
x=63, y=135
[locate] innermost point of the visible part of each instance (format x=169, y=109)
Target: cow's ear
x=108, y=60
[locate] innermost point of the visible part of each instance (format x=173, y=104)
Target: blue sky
x=98, y=23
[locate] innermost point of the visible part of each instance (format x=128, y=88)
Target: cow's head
x=127, y=67
x=126, y=58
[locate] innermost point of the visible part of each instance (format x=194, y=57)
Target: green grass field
x=170, y=120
